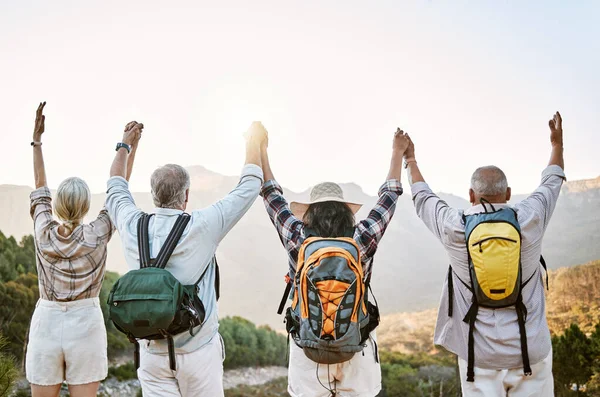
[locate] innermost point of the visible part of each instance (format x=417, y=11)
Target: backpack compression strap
x=290, y=281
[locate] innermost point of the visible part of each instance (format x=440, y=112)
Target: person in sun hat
x=329, y=214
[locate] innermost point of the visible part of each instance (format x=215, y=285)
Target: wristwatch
x=126, y=146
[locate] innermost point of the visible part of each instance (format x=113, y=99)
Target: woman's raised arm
x=39, y=170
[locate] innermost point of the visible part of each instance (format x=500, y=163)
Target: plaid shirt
x=367, y=232
x=69, y=268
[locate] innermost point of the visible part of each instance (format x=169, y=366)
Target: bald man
x=502, y=362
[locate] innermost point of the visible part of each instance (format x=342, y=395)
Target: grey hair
x=489, y=181
x=169, y=184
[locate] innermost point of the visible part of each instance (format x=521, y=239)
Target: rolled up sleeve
x=41, y=211
x=287, y=225
x=437, y=215
x=224, y=214
x=372, y=228
x=119, y=202
x=539, y=206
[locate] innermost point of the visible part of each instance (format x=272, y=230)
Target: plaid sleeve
x=103, y=226
x=370, y=230
x=41, y=212
x=289, y=228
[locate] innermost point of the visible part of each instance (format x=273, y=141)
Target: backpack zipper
x=480, y=242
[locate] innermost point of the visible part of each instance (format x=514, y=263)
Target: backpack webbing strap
x=285, y=296
x=217, y=278
x=521, y=318
x=172, y=358
x=543, y=262
x=143, y=243
x=470, y=319
x=172, y=239
x=450, y=291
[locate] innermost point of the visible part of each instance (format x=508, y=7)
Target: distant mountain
x=574, y=297
x=409, y=266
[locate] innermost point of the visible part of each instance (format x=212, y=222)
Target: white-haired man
x=199, y=357
x=503, y=345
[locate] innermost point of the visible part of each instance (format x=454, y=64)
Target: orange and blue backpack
x=330, y=317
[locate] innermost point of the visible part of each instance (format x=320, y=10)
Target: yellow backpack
x=494, y=245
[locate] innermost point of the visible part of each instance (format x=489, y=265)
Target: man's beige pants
x=198, y=374
x=509, y=382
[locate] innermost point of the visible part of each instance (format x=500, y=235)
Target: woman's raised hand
x=40, y=119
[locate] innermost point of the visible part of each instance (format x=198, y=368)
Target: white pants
x=358, y=377
x=67, y=342
x=198, y=374
x=509, y=382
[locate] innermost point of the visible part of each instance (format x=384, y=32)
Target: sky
x=473, y=83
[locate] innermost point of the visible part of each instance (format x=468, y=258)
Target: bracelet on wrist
x=36, y=143
x=409, y=161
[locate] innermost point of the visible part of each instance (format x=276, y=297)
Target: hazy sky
x=474, y=83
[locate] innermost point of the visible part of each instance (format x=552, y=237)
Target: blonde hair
x=72, y=202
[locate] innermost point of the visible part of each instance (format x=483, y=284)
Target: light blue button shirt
x=196, y=247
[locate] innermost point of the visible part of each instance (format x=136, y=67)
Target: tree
x=572, y=360
x=19, y=298
x=8, y=372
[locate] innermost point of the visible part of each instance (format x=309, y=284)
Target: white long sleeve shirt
x=496, y=336
x=195, y=249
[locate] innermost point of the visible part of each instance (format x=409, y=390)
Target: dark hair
x=329, y=219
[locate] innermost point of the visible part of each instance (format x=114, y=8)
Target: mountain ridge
x=409, y=266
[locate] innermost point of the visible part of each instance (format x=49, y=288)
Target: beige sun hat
x=326, y=191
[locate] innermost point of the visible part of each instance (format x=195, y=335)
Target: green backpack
x=150, y=303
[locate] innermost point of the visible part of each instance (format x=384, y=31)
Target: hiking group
x=491, y=315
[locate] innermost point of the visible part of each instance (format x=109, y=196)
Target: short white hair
x=169, y=184
x=489, y=181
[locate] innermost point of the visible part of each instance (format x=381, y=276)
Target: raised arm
x=556, y=139
x=119, y=201
x=123, y=163
x=542, y=201
x=372, y=228
x=433, y=211
x=39, y=170
x=225, y=213
x=289, y=228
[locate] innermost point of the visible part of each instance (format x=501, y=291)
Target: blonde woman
x=67, y=340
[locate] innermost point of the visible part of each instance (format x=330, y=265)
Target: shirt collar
x=167, y=211
x=477, y=209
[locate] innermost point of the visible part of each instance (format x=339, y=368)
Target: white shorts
x=358, y=377
x=198, y=373
x=509, y=382
x=67, y=342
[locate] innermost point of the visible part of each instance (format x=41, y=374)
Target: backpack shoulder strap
x=543, y=262
x=217, y=277
x=143, y=242
x=309, y=233
x=172, y=239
